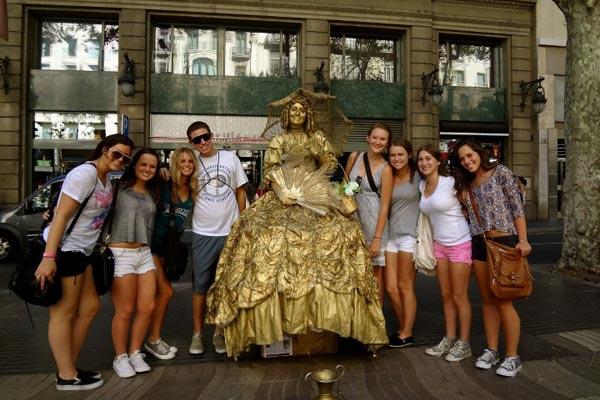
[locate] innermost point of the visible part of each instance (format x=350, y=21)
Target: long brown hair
x=408, y=147
x=177, y=178
x=435, y=152
x=462, y=177
x=108, y=142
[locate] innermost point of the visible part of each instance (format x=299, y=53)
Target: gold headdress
x=322, y=112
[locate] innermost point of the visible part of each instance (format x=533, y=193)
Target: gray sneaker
x=509, y=367
x=219, y=341
x=442, y=347
x=488, y=359
x=459, y=351
x=159, y=349
x=196, y=347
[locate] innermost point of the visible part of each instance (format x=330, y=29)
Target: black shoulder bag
x=176, y=253
x=103, y=260
x=369, y=174
x=23, y=282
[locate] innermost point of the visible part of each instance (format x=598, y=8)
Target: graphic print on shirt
x=214, y=187
x=103, y=200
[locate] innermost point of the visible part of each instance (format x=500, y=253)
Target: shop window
x=73, y=126
x=195, y=51
x=363, y=57
x=81, y=46
x=470, y=62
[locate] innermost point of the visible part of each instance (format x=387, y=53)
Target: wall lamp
x=127, y=78
x=539, y=95
x=432, y=87
x=4, y=63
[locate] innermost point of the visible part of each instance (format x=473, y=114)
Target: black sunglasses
x=117, y=155
x=198, y=139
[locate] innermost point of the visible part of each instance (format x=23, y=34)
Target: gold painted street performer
x=292, y=262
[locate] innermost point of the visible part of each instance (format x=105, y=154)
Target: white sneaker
x=488, y=359
x=459, y=351
x=219, y=341
x=196, y=347
x=122, y=366
x=159, y=349
x=137, y=362
x=442, y=347
x=509, y=367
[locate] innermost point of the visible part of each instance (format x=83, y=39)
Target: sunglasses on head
x=198, y=139
x=117, y=155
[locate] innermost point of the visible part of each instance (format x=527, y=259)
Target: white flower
x=348, y=191
x=353, y=186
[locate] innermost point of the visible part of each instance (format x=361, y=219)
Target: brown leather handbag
x=510, y=277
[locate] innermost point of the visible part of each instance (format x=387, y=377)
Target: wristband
x=49, y=254
x=377, y=237
x=523, y=241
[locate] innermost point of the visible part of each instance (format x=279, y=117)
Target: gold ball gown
x=287, y=269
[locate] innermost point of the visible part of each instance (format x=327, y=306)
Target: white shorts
x=132, y=261
x=405, y=243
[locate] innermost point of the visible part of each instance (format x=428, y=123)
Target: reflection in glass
x=79, y=46
x=470, y=65
x=190, y=51
x=260, y=54
x=364, y=59
x=73, y=126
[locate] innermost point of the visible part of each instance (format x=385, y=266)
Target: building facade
x=550, y=137
x=223, y=61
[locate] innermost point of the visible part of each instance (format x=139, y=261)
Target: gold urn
x=326, y=379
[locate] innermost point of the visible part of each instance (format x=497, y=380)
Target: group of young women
x=481, y=199
x=138, y=208
x=392, y=195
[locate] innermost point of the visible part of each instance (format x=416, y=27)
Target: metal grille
x=561, y=149
x=360, y=127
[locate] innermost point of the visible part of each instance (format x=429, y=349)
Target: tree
x=581, y=243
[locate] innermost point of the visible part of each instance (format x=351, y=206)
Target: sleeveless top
x=368, y=207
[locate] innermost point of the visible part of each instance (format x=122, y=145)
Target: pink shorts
x=460, y=253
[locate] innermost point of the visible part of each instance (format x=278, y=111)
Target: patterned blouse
x=498, y=201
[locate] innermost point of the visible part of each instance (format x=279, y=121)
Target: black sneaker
x=79, y=383
x=397, y=342
x=88, y=374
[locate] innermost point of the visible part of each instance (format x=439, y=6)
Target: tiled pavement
x=560, y=343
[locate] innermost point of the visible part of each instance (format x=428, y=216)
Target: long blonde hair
x=177, y=178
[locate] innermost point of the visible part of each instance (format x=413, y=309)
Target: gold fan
x=296, y=183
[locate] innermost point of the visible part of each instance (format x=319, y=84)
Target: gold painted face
x=297, y=115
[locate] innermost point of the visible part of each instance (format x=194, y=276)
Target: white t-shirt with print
x=78, y=185
x=215, y=207
x=450, y=227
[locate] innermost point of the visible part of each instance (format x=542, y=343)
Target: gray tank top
x=134, y=217
x=404, y=210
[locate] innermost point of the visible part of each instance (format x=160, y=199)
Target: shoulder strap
x=82, y=206
x=475, y=208
x=369, y=174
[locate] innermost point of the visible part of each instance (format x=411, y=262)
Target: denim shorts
x=206, y=251
x=132, y=261
x=460, y=253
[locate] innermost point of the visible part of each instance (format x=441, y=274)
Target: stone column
x=132, y=40
x=11, y=145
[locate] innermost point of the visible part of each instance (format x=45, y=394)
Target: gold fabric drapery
x=287, y=269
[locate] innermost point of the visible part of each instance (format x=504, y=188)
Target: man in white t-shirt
x=220, y=200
